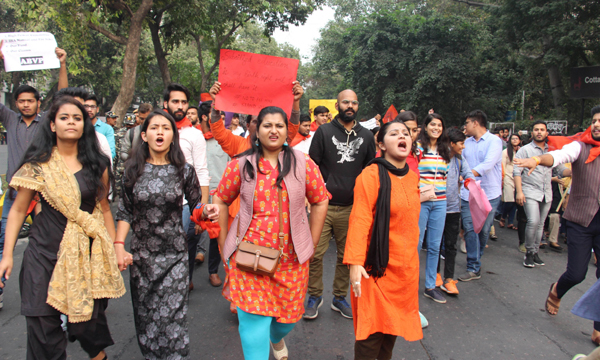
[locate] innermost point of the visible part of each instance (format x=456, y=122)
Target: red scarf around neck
x=207, y=135
x=183, y=123
x=298, y=139
x=314, y=126
x=557, y=142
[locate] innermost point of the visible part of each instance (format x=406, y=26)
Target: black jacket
x=341, y=155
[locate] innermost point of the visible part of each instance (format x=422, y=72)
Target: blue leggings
x=256, y=331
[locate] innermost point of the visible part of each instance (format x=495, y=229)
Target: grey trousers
x=536, y=216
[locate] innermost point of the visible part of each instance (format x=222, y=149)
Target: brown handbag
x=256, y=259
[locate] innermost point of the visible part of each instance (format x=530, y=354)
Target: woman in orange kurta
x=381, y=249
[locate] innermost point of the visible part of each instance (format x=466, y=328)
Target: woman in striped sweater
x=433, y=167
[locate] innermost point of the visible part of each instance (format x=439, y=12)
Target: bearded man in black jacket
x=341, y=149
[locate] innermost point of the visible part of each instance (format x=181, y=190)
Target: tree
x=403, y=58
x=556, y=35
x=119, y=20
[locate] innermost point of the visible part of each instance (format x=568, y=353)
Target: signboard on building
x=585, y=82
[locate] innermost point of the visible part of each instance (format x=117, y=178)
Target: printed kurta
x=390, y=304
x=281, y=296
x=159, y=273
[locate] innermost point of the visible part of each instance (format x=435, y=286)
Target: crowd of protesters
x=264, y=197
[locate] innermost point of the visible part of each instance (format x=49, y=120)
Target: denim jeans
x=536, y=216
x=8, y=203
x=432, y=219
x=510, y=209
x=475, y=243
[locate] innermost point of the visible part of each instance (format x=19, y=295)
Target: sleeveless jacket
x=585, y=189
x=295, y=182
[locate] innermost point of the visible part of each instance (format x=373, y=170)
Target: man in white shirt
x=303, y=138
x=176, y=101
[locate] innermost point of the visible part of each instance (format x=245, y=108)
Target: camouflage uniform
x=119, y=163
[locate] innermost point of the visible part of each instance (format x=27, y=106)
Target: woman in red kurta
x=381, y=249
x=268, y=307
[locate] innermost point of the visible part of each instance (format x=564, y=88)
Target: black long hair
x=256, y=150
x=443, y=142
x=90, y=156
x=509, y=147
x=135, y=164
x=384, y=130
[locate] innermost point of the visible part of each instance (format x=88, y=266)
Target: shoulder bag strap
x=281, y=234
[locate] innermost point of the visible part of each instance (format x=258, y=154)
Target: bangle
x=537, y=159
x=119, y=242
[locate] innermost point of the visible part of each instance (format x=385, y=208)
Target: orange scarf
x=298, y=139
x=314, y=126
x=557, y=142
x=185, y=122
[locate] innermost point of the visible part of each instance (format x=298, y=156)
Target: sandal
x=501, y=223
x=511, y=226
x=281, y=354
x=552, y=301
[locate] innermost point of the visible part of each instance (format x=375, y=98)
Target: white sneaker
x=463, y=246
x=424, y=322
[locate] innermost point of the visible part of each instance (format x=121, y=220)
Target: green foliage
x=413, y=59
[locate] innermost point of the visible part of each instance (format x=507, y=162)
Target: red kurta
x=281, y=296
x=389, y=305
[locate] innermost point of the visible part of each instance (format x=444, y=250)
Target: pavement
x=500, y=316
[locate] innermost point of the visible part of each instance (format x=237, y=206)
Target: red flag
x=557, y=142
x=390, y=114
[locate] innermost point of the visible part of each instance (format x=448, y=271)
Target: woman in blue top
x=433, y=167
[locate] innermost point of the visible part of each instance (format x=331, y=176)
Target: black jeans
x=214, y=257
x=451, y=229
x=581, y=242
x=521, y=223
x=193, y=241
x=377, y=346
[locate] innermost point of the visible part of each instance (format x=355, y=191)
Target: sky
x=305, y=37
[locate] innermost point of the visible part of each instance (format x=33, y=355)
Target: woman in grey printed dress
x=156, y=180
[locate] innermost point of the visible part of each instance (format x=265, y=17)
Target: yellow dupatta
x=78, y=278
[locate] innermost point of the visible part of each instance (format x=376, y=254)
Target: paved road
x=500, y=316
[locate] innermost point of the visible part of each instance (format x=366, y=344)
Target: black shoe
x=537, y=260
x=528, y=261
x=435, y=295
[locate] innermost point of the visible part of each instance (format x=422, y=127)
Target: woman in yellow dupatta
x=69, y=266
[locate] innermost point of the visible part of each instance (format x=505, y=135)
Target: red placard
x=250, y=82
x=390, y=115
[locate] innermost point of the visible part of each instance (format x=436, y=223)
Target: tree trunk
x=15, y=81
x=558, y=92
x=161, y=56
x=130, y=61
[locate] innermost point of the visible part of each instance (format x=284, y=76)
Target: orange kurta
x=390, y=305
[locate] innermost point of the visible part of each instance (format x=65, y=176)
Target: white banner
x=26, y=51
x=557, y=127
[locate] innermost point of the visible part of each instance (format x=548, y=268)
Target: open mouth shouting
x=403, y=146
x=160, y=141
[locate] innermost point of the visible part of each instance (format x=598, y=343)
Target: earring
x=256, y=142
x=285, y=143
